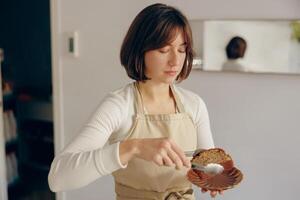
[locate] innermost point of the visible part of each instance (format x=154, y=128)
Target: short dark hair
x=236, y=48
x=154, y=27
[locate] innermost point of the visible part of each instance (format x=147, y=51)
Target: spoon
x=193, y=153
x=211, y=168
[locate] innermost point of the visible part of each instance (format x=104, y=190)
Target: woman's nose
x=174, y=59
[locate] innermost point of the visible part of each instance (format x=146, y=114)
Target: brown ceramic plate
x=226, y=180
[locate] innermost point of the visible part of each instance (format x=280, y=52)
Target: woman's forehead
x=177, y=39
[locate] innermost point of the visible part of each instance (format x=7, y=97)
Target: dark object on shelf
x=11, y=145
x=41, y=93
x=9, y=101
x=34, y=109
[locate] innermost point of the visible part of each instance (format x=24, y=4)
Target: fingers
x=158, y=160
x=170, y=154
x=213, y=193
x=166, y=159
x=185, y=161
x=175, y=158
x=166, y=156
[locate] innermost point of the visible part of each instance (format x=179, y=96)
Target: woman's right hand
x=162, y=151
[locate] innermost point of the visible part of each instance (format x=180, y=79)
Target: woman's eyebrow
x=183, y=44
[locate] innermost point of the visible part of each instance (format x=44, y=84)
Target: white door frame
x=55, y=17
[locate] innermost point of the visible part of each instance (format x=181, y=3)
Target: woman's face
x=164, y=65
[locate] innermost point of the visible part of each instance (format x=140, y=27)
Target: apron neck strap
x=138, y=103
x=139, y=106
x=179, y=105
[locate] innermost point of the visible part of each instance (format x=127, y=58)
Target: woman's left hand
x=213, y=193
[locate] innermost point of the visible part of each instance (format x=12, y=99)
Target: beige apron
x=146, y=180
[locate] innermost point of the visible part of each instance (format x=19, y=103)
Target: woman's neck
x=155, y=92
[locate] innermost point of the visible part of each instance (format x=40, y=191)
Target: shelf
x=35, y=110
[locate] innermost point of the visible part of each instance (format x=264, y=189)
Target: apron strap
x=179, y=105
x=138, y=103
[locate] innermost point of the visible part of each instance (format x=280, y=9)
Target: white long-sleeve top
x=91, y=155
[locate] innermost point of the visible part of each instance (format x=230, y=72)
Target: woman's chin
x=168, y=80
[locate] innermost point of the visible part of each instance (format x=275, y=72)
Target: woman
x=235, y=51
x=139, y=133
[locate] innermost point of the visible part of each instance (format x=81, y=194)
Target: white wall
x=253, y=116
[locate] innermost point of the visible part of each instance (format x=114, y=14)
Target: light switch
x=73, y=47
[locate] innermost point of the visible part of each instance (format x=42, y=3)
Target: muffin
x=215, y=155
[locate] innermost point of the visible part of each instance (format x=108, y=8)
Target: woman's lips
x=171, y=73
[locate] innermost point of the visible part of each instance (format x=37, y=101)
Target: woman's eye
x=164, y=50
x=182, y=50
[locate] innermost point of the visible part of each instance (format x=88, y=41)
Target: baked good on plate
x=230, y=177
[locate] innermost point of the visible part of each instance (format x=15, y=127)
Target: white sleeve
x=87, y=158
x=205, y=139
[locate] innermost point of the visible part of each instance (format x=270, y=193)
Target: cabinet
x=28, y=136
x=26, y=154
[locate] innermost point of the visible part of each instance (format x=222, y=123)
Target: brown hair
x=236, y=48
x=155, y=27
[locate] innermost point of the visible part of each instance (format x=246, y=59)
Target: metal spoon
x=211, y=168
x=193, y=153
